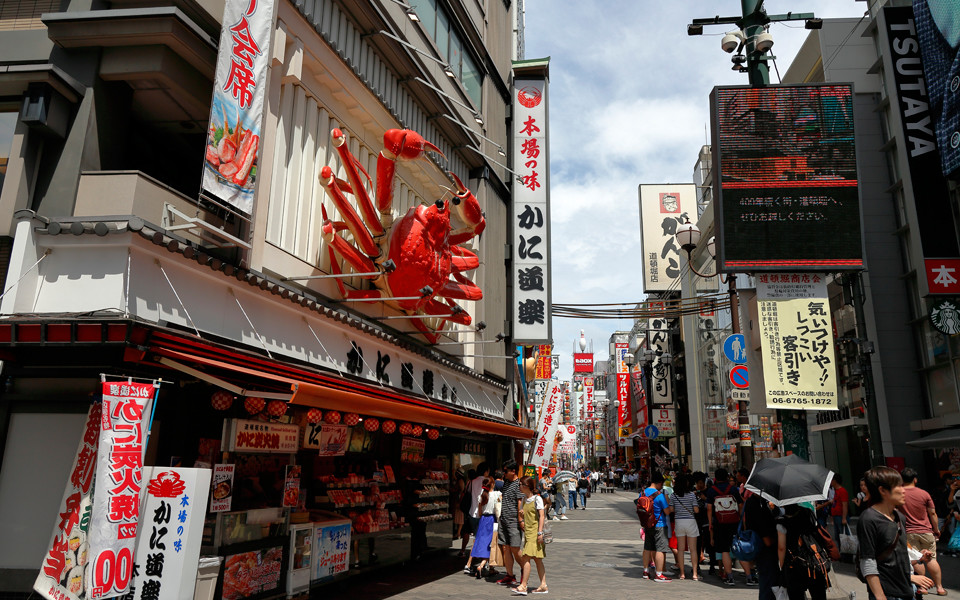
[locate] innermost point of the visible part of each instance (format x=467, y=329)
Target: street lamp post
x=688, y=236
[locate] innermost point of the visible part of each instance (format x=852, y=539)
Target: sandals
x=540, y=591
x=518, y=592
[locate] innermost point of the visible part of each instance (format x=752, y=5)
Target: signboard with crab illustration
x=415, y=263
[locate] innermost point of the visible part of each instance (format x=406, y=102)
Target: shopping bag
x=547, y=532
x=954, y=544
x=848, y=541
x=496, y=556
x=673, y=540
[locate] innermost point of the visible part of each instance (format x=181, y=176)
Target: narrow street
x=595, y=554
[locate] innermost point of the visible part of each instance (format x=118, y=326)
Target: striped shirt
x=683, y=506
x=511, y=495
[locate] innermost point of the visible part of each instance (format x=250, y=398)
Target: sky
x=629, y=105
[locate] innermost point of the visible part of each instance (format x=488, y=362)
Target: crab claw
x=404, y=144
x=468, y=210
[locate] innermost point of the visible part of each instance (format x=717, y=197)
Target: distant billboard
x=663, y=208
x=785, y=176
x=582, y=362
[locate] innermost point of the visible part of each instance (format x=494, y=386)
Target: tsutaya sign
x=796, y=341
x=663, y=208
x=531, y=204
x=236, y=115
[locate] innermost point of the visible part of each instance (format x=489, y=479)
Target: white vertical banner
x=531, y=213
x=231, y=161
x=124, y=426
x=547, y=427
x=663, y=208
x=64, y=565
x=168, y=547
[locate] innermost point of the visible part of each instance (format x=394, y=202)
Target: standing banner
x=124, y=427
x=663, y=208
x=796, y=341
x=547, y=427
x=333, y=549
x=168, y=546
x=231, y=161
x=62, y=573
x=531, y=205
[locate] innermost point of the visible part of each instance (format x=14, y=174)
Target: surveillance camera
x=764, y=42
x=730, y=42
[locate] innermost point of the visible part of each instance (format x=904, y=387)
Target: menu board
x=248, y=574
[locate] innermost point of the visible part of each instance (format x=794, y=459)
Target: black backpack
x=807, y=553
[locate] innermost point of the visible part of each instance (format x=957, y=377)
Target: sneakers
x=645, y=575
x=508, y=580
x=674, y=569
x=753, y=581
x=661, y=578
x=555, y=519
x=564, y=518
x=467, y=570
x=729, y=581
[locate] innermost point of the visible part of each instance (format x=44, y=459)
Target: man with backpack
x=723, y=516
x=652, y=510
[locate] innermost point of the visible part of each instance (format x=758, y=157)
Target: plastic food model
x=415, y=259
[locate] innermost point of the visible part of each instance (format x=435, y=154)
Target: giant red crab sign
x=414, y=260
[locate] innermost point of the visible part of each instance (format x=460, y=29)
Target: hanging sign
x=62, y=575
x=231, y=162
x=663, y=208
x=124, y=423
x=412, y=449
x=665, y=420
x=330, y=440
x=796, y=341
x=547, y=427
x=260, y=436
x=168, y=546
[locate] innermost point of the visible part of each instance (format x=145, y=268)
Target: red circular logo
x=529, y=96
x=571, y=429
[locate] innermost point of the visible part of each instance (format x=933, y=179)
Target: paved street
x=595, y=554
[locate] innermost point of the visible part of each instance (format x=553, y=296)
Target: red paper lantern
x=277, y=408
x=417, y=430
x=388, y=427
x=314, y=415
x=433, y=433
x=371, y=424
x=406, y=429
x=254, y=405
x=332, y=417
x=221, y=400
x=351, y=419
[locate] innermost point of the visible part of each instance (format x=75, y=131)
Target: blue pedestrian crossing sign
x=651, y=432
x=735, y=349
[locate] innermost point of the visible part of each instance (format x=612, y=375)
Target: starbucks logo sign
x=945, y=316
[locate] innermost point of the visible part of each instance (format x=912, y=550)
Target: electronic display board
x=785, y=177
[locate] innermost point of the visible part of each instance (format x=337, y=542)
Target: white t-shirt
x=537, y=499
x=490, y=508
x=476, y=486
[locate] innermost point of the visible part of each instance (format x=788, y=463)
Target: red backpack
x=725, y=506
x=645, y=510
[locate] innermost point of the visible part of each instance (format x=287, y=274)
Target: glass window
x=8, y=123
x=443, y=34
x=427, y=11
x=456, y=52
x=472, y=81
x=943, y=393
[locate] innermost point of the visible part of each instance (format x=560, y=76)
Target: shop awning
x=328, y=396
x=941, y=439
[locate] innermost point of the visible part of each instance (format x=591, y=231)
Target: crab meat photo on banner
x=234, y=131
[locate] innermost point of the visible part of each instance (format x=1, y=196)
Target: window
x=427, y=11
x=25, y=14
x=472, y=80
x=451, y=48
x=443, y=34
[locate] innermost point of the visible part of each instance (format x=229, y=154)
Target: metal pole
x=743, y=410
x=866, y=364
x=754, y=18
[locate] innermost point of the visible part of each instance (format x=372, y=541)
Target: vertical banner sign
x=62, y=575
x=531, y=213
x=547, y=427
x=796, y=341
x=231, y=161
x=914, y=97
x=636, y=380
x=116, y=504
x=544, y=368
x=588, y=397
x=662, y=209
x=939, y=33
x=661, y=388
x=623, y=391
x=168, y=547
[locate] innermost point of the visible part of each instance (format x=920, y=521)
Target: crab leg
x=351, y=164
x=462, y=259
x=358, y=261
x=444, y=311
x=461, y=289
x=350, y=216
x=398, y=144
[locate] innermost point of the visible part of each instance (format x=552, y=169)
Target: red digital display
x=786, y=178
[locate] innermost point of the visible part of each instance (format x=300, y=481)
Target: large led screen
x=785, y=173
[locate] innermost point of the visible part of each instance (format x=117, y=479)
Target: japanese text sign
x=124, y=420
x=943, y=275
x=231, y=163
x=663, y=208
x=168, y=546
x=260, y=436
x=588, y=397
x=531, y=213
x=796, y=341
x=547, y=426
x=661, y=385
x=252, y=573
x=544, y=369
x=330, y=440
x=222, y=497
x=62, y=573
x=665, y=420
x=333, y=549
x=412, y=449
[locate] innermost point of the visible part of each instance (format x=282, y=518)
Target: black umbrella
x=789, y=480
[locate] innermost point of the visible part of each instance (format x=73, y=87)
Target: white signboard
x=662, y=209
x=531, y=213
x=124, y=426
x=665, y=420
x=231, y=161
x=62, y=573
x=260, y=436
x=796, y=341
x=168, y=546
x=221, y=498
x=547, y=427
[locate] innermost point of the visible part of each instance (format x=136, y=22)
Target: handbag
x=954, y=544
x=496, y=556
x=848, y=541
x=547, y=532
x=745, y=544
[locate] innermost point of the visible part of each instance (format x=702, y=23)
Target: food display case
x=254, y=544
x=301, y=558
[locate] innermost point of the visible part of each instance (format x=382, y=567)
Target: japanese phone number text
x=800, y=401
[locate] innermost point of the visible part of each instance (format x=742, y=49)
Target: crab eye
x=455, y=200
x=439, y=204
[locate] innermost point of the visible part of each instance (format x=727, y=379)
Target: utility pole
x=752, y=24
x=745, y=447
